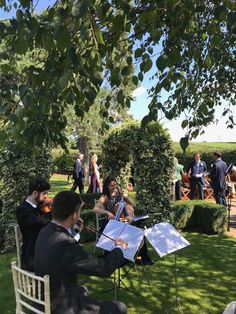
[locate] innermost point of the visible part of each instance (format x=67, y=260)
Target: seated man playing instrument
x=60, y=256
x=108, y=204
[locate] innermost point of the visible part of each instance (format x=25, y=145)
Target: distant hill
x=206, y=146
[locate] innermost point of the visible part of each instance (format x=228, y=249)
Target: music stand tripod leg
x=177, y=306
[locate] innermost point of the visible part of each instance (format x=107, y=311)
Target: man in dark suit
x=60, y=256
x=217, y=175
x=78, y=174
x=31, y=219
x=197, y=169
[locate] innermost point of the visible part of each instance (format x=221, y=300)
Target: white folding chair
x=230, y=308
x=32, y=292
x=18, y=238
x=98, y=219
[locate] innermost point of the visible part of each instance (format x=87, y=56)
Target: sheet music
x=165, y=239
x=125, y=232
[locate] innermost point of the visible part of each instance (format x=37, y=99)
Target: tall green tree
x=190, y=45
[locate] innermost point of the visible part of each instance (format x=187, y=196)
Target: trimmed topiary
x=150, y=150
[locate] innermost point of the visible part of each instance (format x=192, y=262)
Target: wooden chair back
x=18, y=239
x=32, y=292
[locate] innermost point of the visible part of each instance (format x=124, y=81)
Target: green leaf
x=19, y=15
x=27, y=100
x=62, y=37
x=75, y=11
x=138, y=52
x=98, y=33
x=232, y=21
x=129, y=60
x=23, y=88
x=184, y=124
x=21, y=44
x=145, y=121
x=162, y=62
x=135, y=80
x=118, y=23
x=146, y=65
x=13, y=118
x=120, y=97
x=140, y=76
x=184, y=143
x=64, y=80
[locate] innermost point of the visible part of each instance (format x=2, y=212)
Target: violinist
x=31, y=219
x=59, y=255
x=108, y=204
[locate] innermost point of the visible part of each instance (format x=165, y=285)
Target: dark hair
x=217, y=154
x=106, y=183
x=38, y=184
x=64, y=204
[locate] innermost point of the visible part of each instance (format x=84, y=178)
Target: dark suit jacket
x=202, y=169
x=217, y=175
x=59, y=255
x=30, y=220
x=78, y=170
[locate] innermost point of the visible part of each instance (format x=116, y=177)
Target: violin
x=47, y=205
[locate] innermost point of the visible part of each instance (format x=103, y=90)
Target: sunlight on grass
x=206, y=273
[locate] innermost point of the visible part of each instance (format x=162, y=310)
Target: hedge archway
x=151, y=151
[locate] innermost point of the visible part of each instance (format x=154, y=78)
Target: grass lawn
x=206, y=276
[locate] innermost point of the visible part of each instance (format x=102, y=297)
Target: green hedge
x=227, y=156
x=207, y=217
x=89, y=219
x=89, y=199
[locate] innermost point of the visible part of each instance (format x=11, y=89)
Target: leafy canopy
x=82, y=45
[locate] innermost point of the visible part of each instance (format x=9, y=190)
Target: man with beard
x=31, y=219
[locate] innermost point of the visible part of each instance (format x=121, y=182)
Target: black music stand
x=177, y=306
x=119, y=282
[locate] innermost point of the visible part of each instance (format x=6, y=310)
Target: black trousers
x=193, y=183
x=220, y=196
x=78, y=182
x=178, y=194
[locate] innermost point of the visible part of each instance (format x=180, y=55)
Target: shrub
x=153, y=164
x=150, y=150
x=17, y=168
x=212, y=218
x=181, y=213
x=207, y=217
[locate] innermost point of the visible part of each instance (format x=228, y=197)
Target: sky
x=139, y=107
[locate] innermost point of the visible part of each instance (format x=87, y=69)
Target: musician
x=218, y=182
x=60, y=256
x=108, y=204
x=31, y=219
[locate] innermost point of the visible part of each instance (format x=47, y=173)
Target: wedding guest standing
x=218, y=182
x=197, y=169
x=95, y=181
x=78, y=174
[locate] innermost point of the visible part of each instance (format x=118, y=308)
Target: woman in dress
x=95, y=183
x=108, y=204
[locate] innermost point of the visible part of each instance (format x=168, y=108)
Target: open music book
x=165, y=239
x=119, y=230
